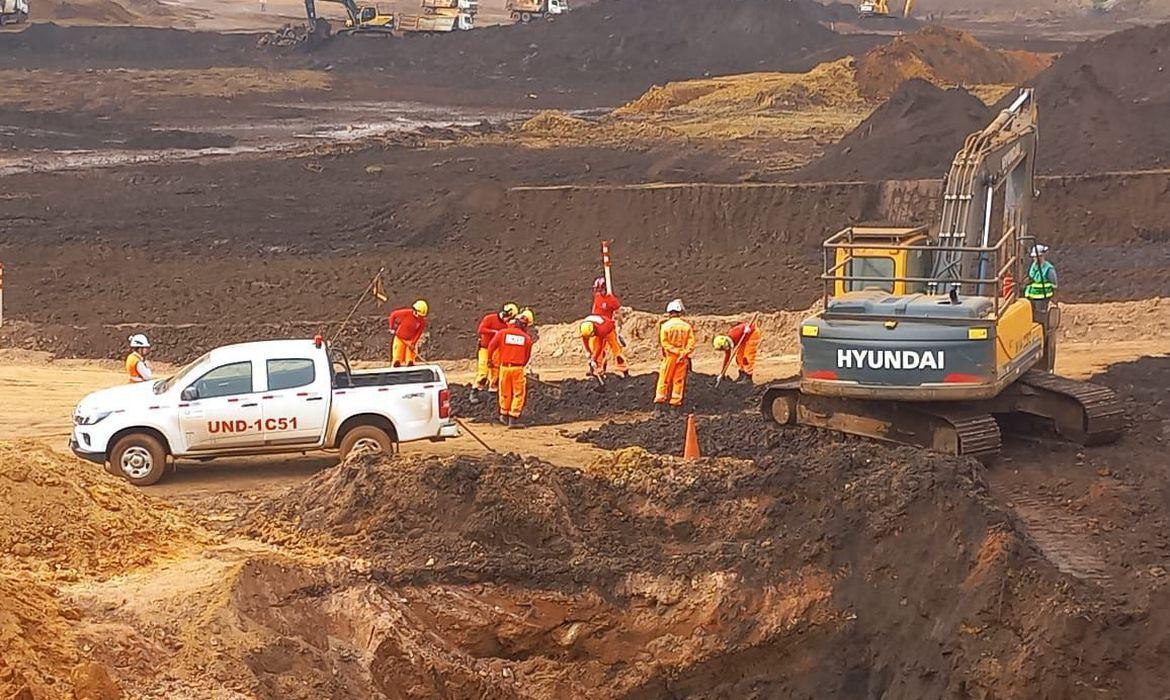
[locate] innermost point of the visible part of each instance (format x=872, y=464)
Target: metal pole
x=605, y=264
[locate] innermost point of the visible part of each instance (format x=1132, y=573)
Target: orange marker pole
x=605, y=265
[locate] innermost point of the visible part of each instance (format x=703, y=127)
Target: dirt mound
x=48, y=44
x=944, y=57
x=642, y=576
x=1104, y=105
x=915, y=134
x=612, y=49
x=69, y=519
x=571, y=400
x=740, y=435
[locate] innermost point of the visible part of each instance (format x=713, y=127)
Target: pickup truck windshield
x=180, y=376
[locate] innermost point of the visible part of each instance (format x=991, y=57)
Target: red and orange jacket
x=406, y=325
x=488, y=327
x=513, y=345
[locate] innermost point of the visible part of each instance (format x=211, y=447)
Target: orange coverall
x=596, y=344
x=677, y=338
x=606, y=305
x=514, y=348
x=407, y=327
x=746, y=337
x=487, y=369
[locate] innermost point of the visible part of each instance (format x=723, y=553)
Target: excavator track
x=1081, y=412
x=950, y=429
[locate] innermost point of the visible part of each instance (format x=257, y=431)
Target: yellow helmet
x=526, y=317
x=586, y=329
x=510, y=310
x=420, y=307
x=723, y=342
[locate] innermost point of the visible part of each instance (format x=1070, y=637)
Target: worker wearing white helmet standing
x=136, y=365
x=677, y=338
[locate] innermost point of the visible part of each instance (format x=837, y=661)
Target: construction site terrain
x=208, y=187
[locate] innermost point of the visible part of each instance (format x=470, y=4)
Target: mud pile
x=569, y=400
x=740, y=435
x=944, y=57
x=68, y=519
x=48, y=44
x=915, y=134
x=643, y=576
x=1105, y=104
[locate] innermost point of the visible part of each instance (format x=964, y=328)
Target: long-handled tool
x=475, y=437
x=374, y=286
x=735, y=348
x=556, y=390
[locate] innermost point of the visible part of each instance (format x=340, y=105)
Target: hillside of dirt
x=1103, y=105
x=945, y=57
x=540, y=580
x=915, y=134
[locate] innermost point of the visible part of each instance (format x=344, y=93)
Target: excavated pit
x=837, y=570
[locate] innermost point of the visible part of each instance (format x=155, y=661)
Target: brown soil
x=944, y=57
x=579, y=399
x=22, y=129
x=1104, y=104
x=915, y=134
x=538, y=580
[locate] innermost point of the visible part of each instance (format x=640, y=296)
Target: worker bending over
x=607, y=305
x=744, y=340
x=406, y=329
x=487, y=368
x=136, y=365
x=677, y=338
x=513, y=347
x=596, y=332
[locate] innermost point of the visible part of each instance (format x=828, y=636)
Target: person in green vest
x=1041, y=280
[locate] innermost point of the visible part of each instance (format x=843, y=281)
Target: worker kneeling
x=744, y=341
x=596, y=333
x=677, y=338
x=487, y=367
x=406, y=330
x=513, y=346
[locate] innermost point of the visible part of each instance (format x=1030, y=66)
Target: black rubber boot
x=659, y=409
x=474, y=397
x=514, y=424
x=503, y=419
x=746, y=377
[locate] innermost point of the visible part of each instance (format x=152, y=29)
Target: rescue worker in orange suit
x=406, y=329
x=136, y=365
x=596, y=332
x=677, y=338
x=487, y=368
x=744, y=339
x=513, y=346
x=607, y=305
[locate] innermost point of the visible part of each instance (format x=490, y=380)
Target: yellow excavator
x=359, y=20
x=926, y=339
x=881, y=8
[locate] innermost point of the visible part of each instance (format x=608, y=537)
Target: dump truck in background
x=13, y=12
x=447, y=7
x=428, y=24
x=526, y=10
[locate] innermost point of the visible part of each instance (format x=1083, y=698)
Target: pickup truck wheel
x=366, y=438
x=140, y=459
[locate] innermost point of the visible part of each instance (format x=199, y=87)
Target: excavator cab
x=881, y=259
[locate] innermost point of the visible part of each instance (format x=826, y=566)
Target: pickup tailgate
x=414, y=399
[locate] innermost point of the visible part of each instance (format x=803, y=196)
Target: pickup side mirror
x=190, y=394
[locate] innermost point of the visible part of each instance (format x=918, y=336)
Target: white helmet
x=1038, y=250
x=139, y=340
x=675, y=307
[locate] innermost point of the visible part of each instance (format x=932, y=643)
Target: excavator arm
x=997, y=162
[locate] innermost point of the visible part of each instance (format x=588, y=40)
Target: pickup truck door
x=296, y=405
x=221, y=410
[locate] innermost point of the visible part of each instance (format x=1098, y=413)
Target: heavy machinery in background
x=13, y=12
x=359, y=20
x=434, y=23
x=926, y=340
x=439, y=7
x=881, y=8
x=527, y=10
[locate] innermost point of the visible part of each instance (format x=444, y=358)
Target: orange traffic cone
x=691, y=448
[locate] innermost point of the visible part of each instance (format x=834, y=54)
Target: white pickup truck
x=268, y=397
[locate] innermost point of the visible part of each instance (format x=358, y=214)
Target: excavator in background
x=925, y=339
x=881, y=8
x=359, y=20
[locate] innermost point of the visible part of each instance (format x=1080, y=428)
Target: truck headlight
x=92, y=418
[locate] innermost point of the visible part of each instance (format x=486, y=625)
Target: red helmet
x=599, y=284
